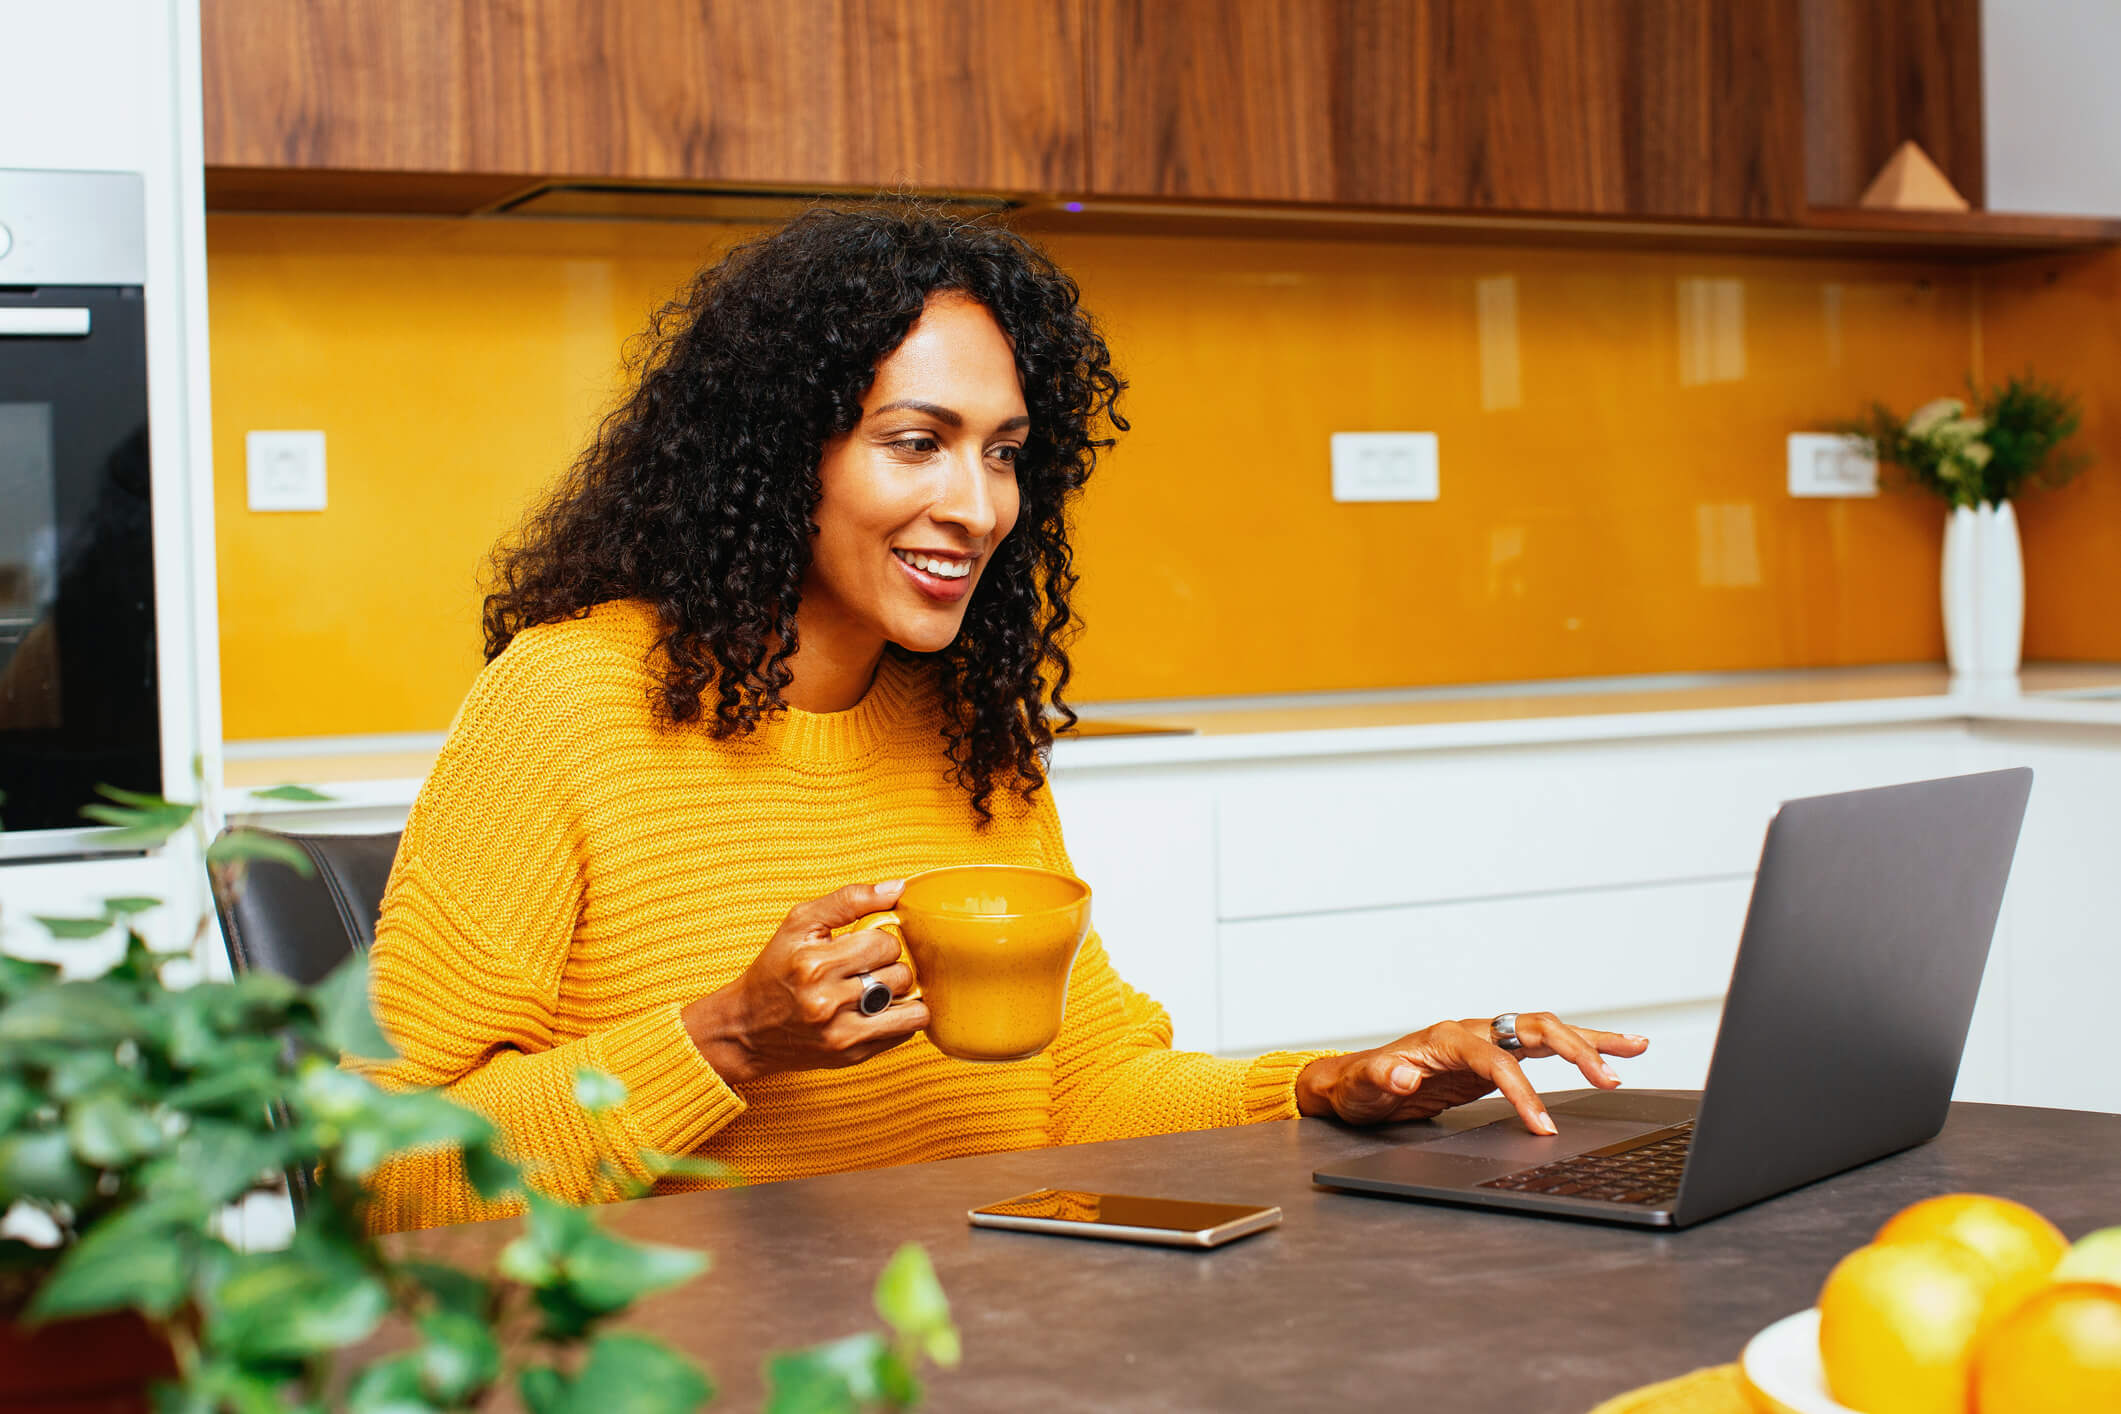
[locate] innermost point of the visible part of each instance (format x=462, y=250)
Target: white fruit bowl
x=1782, y=1364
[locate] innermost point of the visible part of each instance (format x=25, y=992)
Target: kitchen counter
x=383, y=772
x=1353, y=1303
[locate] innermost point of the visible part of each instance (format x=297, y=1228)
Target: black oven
x=79, y=705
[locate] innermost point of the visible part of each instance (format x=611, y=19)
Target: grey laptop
x=1863, y=947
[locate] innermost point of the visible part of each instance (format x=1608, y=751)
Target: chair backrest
x=275, y=920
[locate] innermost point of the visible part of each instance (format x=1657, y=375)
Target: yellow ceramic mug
x=992, y=945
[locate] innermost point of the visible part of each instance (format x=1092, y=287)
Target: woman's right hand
x=797, y=1007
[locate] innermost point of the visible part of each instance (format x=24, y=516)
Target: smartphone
x=1124, y=1217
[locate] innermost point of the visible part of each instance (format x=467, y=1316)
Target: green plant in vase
x=2012, y=438
x=133, y=1113
x=1978, y=457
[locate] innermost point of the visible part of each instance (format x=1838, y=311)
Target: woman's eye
x=1007, y=456
x=915, y=446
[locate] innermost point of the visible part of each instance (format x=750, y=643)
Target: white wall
x=2051, y=105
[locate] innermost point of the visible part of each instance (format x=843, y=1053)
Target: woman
x=793, y=627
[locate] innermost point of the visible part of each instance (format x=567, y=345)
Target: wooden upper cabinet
x=950, y=95
x=1882, y=72
x=1665, y=108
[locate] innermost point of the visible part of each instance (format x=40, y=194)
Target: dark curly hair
x=698, y=492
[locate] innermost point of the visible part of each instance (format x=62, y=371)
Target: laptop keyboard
x=1644, y=1170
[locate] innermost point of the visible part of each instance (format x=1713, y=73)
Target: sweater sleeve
x=1116, y=1076
x=474, y=934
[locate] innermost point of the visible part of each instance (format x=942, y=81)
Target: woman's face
x=916, y=498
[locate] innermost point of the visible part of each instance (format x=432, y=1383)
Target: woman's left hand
x=1453, y=1062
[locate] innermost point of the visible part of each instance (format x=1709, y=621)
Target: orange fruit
x=2096, y=1257
x=1898, y=1323
x=2058, y=1353
x=2021, y=1245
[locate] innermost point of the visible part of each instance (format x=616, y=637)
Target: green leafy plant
x=132, y=1113
x=2014, y=438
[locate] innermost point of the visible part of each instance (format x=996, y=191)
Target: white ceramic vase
x=1984, y=594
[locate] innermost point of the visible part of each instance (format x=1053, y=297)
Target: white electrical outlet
x=1827, y=464
x=1384, y=466
x=286, y=470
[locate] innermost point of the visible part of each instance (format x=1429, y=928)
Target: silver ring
x=1503, y=1032
x=875, y=995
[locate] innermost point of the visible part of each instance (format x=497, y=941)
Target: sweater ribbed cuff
x=1270, y=1084
x=674, y=1099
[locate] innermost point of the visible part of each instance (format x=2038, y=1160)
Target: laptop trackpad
x=1509, y=1139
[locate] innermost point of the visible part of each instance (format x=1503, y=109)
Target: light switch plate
x=1385, y=466
x=286, y=470
x=1827, y=464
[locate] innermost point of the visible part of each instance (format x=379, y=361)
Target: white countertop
x=388, y=771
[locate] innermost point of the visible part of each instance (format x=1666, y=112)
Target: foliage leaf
x=139, y=819
x=71, y=929
x=242, y=845
x=75, y=1013
x=544, y=1390
x=388, y=1387
x=911, y=1301
x=607, y=1273
x=491, y=1175
x=112, y=1268
x=127, y=905
x=17, y=1100
x=237, y=1087
x=75, y=1073
x=40, y=1165
x=18, y=975
x=664, y=1165
x=218, y=1161
x=835, y=1378
x=289, y=792
x=289, y=1305
x=458, y=1355
x=452, y=1289
x=384, y=1124
x=107, y=1130
x=631, y=1374
x=598, y=1090
x=347, y=1015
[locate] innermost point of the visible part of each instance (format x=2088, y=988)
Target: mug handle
x=888, y=923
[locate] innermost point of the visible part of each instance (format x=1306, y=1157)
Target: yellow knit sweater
x=576, y=871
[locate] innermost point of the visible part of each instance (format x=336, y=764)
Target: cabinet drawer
x=1384, y=972
x=1487, y=824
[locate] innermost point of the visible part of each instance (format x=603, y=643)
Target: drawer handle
x=44, y=323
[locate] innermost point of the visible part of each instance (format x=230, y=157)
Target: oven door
x=78, y=699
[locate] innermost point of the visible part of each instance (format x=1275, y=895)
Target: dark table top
x=1353, y=1303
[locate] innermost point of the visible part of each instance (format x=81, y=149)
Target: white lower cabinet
x=1346, y=900
x=1384, y=972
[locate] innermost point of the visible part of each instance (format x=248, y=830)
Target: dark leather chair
x=275, y=920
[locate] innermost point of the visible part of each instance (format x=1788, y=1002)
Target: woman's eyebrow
x=946, y=415
x=940, y=414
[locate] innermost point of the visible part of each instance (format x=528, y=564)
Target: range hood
x=663, y=201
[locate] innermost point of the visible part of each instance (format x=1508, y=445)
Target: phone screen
x=1120, y=1210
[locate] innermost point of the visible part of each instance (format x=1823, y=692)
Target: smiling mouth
x=942, y=567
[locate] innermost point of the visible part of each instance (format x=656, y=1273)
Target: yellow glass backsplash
x=2062, y=319
x=1611, y=425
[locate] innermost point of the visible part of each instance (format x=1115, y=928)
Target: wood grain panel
x=1618, y=107
x=1881, y=72
x=944, y=94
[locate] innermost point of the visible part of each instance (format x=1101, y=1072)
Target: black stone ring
x=875, y=995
